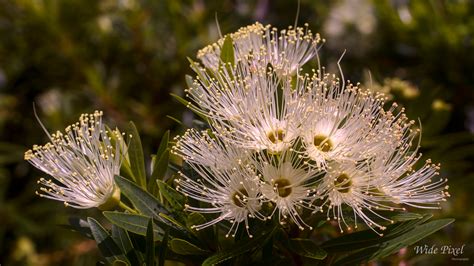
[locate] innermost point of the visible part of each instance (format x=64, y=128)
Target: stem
x=125, y=207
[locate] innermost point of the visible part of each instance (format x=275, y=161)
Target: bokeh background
x=125, y=57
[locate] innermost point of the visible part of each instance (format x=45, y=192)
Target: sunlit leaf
x=143, y=201
x=135, y=154
x=134, y=223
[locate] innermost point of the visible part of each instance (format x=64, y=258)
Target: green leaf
x=183, y=247
x=181, y=100
x=160, y=167
x=163, y=248
x=239, y=249
x=307, y=248
x=396, y=237
x=105, y=243
x=122, y=239
x=163, y=144
x=143, y=201
x=135, y=154
x=159, y=164
x=227, y=51
x=175, y=199
x=134, y=223
x=357, y=257
x=150, y=244
x=411, y=237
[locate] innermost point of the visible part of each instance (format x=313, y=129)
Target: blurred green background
x=124, y=57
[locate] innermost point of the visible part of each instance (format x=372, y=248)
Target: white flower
x=296, y=141
x=289, y=187
x=231, y=193
x=348, y=184
x=259, y=45
x=83, y=162
x=206, y=150
x=342, y=123
x=253, y=109
x=400, y=182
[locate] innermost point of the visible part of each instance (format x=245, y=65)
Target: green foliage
x=183, y=247
x=134, y=223
x=105, y=242
x=227, y=52
x=150, y=246
x=142, y=200
x=395, y=238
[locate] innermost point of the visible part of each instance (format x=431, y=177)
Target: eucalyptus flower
x=258, y=45
x=289, y=185
x=254, y=109
x=349, y=184
x=205, y=149
x=341, y=123
x=82, y=162
x=290, y=143
x=233, y=193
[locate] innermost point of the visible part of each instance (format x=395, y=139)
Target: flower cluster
x=83, y=162
x=287, y=143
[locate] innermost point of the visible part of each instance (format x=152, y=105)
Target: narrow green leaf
x=105, y=243
x=181, y=100
x=359, y=256
x=410, y=238
x=159, y=164
x=163, y=248
x=175, y=199
x=227, y=51
x=135, y=154
x=150, y=245
x=160, y=167
x=307, y=248
x=397, y=237
x=239, y=249
x=175, y=120
x=183, y=247
x=163, y=144
x=123, y=241
x=134, y=223
x=143, y=201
